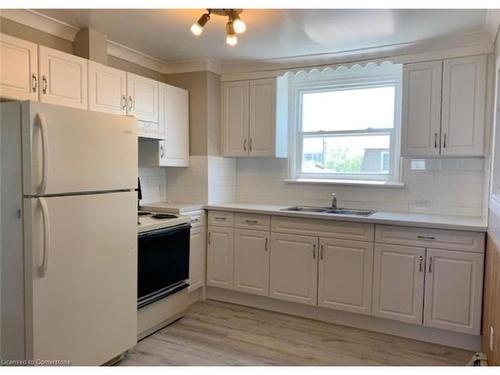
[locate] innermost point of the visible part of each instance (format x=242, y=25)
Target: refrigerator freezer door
x=83, y=306
x=67, y=150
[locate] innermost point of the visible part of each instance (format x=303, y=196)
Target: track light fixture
x=234, y=24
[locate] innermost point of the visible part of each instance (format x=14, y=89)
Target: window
x=347, y=124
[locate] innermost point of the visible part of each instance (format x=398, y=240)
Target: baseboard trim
x=369, y=323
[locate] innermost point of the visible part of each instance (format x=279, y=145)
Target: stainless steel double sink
x=329, y=210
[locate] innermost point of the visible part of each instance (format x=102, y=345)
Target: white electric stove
x=148, y=221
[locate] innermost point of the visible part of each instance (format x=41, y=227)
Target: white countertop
x=176, y=208
x=474, y=224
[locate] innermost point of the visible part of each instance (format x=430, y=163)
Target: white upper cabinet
x=251, y=261
x=262, y=127
x=174, y=126
x=18, y=69
x=254, y=115
x=398, y=283
x=463, y=114
x=235, y=119
x=63, y=78
x=421, y=109
x=107, y=89
x=294, y=268
x=142, y=98
x=444, y=107
x=345, y=275
x=453, y=291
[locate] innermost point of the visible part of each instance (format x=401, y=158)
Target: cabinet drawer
x=323, y=228
x=435, y=238
x=197, y=218
x=253, y=221
x=221, y=218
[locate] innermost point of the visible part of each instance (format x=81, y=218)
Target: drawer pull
x=426, y=237
x=196, y=220
x=420, y=263
x=220, y=218
x=248, y=221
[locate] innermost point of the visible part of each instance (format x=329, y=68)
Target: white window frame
x=356, y=77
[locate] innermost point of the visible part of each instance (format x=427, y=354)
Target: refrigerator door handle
x=42, y=270
x=45, y=152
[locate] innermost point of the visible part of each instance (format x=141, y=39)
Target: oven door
x=163, y=263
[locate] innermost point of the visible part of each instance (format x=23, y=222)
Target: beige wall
x=33, y=35
x=213, y=115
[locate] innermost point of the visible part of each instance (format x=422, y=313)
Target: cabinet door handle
x=162, y=151
x=321, y=252
x=426, y=237
x=131, y=103
x=444, y=141
x=435, y=140
x=219, y=218
x=248, y=221
x=209, y=238
x=420, y=263
x=245, y=145
x=250, y=144
x=34, y=82
x=265, y=246
x=44, y=85
x=124, y=102
x=196, y=220
x=430, y=264
x=314, y=251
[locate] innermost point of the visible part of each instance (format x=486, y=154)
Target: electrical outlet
x=492, y=341
x=423, y=203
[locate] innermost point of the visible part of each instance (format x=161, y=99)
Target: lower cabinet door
x=294, y=268
x=453, y=290
x=345, y=275
x=196, y=259
x=251, y=261
x=220, y=257
x=398, y=283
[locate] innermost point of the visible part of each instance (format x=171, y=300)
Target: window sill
x=367, y=183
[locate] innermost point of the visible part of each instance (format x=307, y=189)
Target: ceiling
x=271, y=33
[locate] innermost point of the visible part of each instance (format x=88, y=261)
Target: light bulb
x=232, y=39
x=196, y=29
x=239, y=26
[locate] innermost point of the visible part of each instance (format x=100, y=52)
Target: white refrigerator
x=68, y=234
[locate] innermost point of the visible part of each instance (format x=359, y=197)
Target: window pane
x=355, y=109
x=346, y=154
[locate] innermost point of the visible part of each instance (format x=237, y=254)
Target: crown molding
x=186, y=66
x=474, y=43
x=492, y=22
x=126, y=53
x=41, y=22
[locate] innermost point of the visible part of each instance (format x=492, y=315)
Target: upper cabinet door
x=464, y=90
x=142, y=98
x=107, y=89
x=453, y=291
x=235, y=102
x=345, y=275
x=262, y=117
x=421, y=119
x=63, y=78
x=294, y=268
x=18, y=69
x=174, y=151
x=398, y=283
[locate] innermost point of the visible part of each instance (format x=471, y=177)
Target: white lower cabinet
x=398, y=282
x=251, y=261
x=345, y=275
x=453, y=290
x=294, y=268
x=196, y=258
x=220, y=257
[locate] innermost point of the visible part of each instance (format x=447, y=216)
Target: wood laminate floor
x=216, y=333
